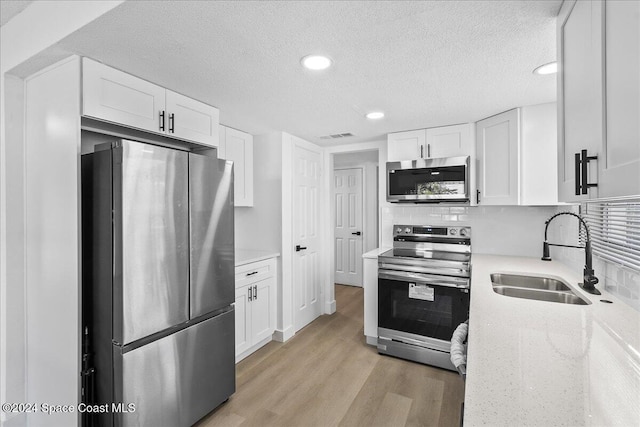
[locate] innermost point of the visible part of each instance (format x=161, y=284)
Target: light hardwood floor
x=327, y=376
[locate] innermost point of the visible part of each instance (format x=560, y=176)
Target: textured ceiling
x=422, y=63
x=10, y=8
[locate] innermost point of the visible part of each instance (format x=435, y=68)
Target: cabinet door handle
x=577, y=173
x=255, y=292
x=252, y=273
x=422, y=151
x=162, y=121
x=172, y=123
x=250, y=294
x=581, y=172
x=478, y=196
x=429, y=151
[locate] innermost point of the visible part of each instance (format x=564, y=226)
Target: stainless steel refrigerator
x=158, y=284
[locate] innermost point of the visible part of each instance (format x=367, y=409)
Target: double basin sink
x=535, y=288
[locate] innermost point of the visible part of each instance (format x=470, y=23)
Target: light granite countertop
x=246, y=256
x=536, y=363
x=373, y=254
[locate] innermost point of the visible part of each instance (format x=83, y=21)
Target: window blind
x=615, y=230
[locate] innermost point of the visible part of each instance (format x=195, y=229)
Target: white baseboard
x=284, y=335
x=330, y=307
x=372, y=340
x=253, y=349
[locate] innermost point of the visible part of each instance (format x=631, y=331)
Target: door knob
x=357, y=233
x=300, y=248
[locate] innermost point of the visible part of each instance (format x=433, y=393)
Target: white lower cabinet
x=255, y=306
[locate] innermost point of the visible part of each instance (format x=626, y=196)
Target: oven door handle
x=403, y=276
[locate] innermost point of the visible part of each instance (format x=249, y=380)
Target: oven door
x=423, y=305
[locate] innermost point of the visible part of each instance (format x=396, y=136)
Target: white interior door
x=306, y=238
x=347, y=188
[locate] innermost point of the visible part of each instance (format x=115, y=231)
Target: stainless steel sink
x=536, y=288
x=540, y=295
x=531, y=282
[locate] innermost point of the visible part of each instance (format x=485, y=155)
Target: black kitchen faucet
x=589, y=279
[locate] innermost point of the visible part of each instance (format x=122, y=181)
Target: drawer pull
x=252, y=273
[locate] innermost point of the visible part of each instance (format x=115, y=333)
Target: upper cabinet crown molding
x=115, y=96
x=598, y=99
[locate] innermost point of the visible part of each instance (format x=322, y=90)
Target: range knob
x=398, y=230
x=464, y=232
x=453, y=231
x=407, y=230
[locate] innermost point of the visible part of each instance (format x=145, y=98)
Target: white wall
x=260, y=226
x=22, y=39
x=14, y=312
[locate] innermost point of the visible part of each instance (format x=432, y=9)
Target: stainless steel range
x=423, y=292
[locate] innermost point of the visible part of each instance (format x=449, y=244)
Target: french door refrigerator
x=158, y=284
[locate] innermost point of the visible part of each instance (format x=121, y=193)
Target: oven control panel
x=429, y=230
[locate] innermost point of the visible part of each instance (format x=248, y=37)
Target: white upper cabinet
x=238, y=147
x=497, y=153
x=109, y=94
x=579, y=93
x=445, y=141
x=118, y=97
x=619, y=168
x=191, y=119
x=599, y=97
x=407, y=145
x=449, y=141
x=517, y=157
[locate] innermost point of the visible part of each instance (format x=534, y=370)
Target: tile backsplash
x=501, y=230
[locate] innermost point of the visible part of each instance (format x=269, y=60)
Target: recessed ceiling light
x=550, y=68
x=375, y=115
x=316, y=62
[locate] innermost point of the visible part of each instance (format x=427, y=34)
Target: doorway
x=347, y=194
x=354, y=193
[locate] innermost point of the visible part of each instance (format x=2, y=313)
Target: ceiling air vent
x=337, y=135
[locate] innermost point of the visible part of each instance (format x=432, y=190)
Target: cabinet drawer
x=254, y=272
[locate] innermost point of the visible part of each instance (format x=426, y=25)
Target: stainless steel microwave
x=428, y=180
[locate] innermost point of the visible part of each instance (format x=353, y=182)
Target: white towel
x=458, y=353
